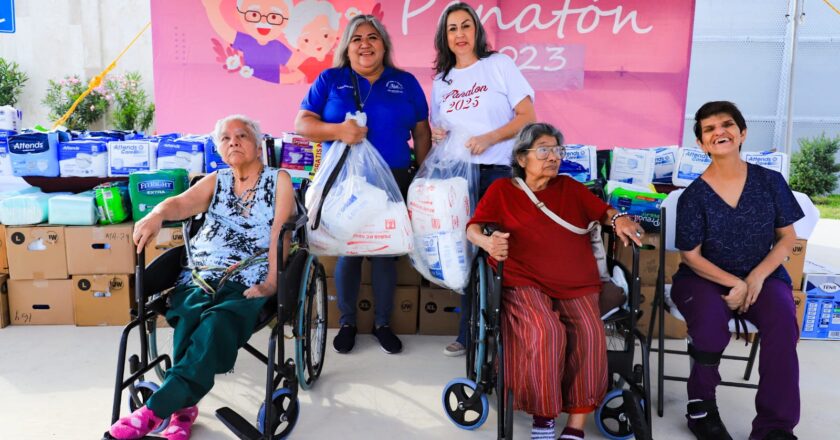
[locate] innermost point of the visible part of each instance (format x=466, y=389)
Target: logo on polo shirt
x=394, y=86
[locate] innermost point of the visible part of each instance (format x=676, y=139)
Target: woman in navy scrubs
x=396, y=111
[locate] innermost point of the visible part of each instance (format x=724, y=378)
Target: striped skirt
x=555, y=352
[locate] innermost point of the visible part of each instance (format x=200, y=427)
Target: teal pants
x=209, y=331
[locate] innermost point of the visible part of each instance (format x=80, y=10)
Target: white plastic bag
x=441, y=200
x=363, y=212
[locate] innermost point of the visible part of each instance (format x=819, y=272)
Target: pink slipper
x=136, y=425
x=180, y=425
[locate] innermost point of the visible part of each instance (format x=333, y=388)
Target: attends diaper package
x=36, y=154
x=212, y=158
x=691, y=163
x=10, y=118
x=83, y=158
x=126, y=157
x=580, y=163
x=185, y=152
x=664, y=161
x=632, y=165
x=772, y=160
x=5, y=158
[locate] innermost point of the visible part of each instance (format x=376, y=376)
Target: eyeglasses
x=271, y=18
x=542, y=152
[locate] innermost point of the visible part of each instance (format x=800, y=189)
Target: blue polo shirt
x=394, y=105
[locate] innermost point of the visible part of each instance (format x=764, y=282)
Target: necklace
x=245, y=201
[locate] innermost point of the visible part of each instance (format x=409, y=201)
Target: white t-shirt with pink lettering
x=479, y=99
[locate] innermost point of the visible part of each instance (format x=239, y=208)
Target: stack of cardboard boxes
x=67, y=275
x=4, y=275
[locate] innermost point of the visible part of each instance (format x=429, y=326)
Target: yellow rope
x=832, y=6
x=97, y=80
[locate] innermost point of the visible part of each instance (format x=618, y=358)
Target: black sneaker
x=345, y=339
x=709, y=426
x=390, y=343
x=779, y=434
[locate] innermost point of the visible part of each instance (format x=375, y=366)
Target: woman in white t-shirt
x=482, y=94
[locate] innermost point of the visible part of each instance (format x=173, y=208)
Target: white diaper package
x=444, y=255
x=388, y=232
x=126, y=157
x=772, y=160
x=5, y=158
x=185, y=152
x=10, y=118
x=73, y=209
x=580, y=162
x=632, y=165
x=83, y=158
x=664, y=162
x=436, y=205
x=26, y=209
x=691, y=163
x=351, y=205
x=36, y=154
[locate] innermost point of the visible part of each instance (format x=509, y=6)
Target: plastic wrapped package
x=354, y=204
x=112, y=202
x=26, y=209
x=631, y=165
x=691, y=163
x=73, y=209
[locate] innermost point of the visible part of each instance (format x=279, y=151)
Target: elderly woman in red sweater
x=555, y=348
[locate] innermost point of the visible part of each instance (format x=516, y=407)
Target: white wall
x=63, y=37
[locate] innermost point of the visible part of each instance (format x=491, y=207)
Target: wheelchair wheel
x=284, y=414
x=621, y=416
x=314, y=329
x=144, y=392
x=455, y=395
x=473, y=323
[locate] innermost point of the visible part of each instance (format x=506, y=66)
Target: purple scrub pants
x=707, y=317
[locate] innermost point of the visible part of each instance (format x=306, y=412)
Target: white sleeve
x=434, y=107
x=515, y=83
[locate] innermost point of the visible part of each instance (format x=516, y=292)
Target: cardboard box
x=4, y=261
x=101, y=299
x=649, y=260
x=795, y=263
x=36, y=252
x=799, y=303
x=4, y=302
x=329, y=265
x=403, y=315
x=100, y=249
x=40, y=302
x=674, y=328
x=438, y=312
x=167, y=238
x=821, y=318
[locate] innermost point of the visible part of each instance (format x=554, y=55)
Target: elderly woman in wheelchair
x=555, y=352
x=215, y=303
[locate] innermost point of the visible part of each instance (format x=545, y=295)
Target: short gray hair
x=251, y=126
x=305, y=12
x=341, y=59
x=525, y=140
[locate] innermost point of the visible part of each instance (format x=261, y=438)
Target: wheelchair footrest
x=237, y=424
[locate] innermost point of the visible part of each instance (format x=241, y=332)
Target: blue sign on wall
x=7, y=16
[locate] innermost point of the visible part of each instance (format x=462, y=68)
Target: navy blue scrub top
x=393, y=107
x=737, y=239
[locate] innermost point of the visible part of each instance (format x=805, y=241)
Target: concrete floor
x=56, y=383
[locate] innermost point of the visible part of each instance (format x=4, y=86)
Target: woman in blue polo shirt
x=396, y=111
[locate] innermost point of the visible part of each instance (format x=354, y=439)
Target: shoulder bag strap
x=551, y=214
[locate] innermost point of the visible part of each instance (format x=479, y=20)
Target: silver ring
x=638, y=234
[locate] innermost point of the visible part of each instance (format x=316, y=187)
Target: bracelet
x=616, y=216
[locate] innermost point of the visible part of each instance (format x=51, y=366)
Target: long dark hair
x=444, y=58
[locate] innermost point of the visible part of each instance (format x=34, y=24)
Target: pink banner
x=606, y=72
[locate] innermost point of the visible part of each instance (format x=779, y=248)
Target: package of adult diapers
x=148, y=188
x=296, y=152
x=114, y=135
x=73, y=209
x=772, y=160
x=83, y=158
x=112, y=202
x=632, y=165
x=664, y=162
x=643, y=207
x=691, y=163
x=185, y=152
x=354, y=205
x=212, y=159
x=10, y=118
x=26, y=209
x=35, y=153
x=126, y=157
x=580, y=162
x=5, y=158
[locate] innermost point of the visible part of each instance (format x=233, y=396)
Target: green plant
x=62, y=94
x=11, y=82
x=131, y=110
x=813, y=170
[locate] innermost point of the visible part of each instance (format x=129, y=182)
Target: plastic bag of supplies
x=441, y=200
x=363, y=212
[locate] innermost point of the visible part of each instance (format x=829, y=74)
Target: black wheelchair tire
x=316, y=297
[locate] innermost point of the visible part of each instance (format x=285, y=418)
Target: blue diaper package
x=184, y=152
x=5, y=159
x=821, y=315
x=114, y=135
x=580, y=163
x=83, y=158
x=36, y=154
x=664, y=161
x=212, y=159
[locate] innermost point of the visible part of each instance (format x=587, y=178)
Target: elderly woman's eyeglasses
x=542, y=152
x=272, y=18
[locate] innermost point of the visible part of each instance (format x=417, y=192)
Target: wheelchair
x=624, y=412
x=300, y=302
